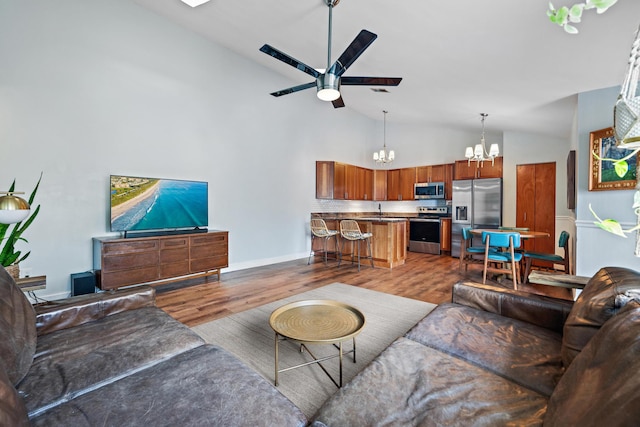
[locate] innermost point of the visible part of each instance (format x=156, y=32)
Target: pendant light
x=479, y=153
x=13, y=209
x=383, y=156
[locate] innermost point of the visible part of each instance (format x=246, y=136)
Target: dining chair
x=319, y=230
x=563, y=242
x=469, y=254
x=350, y=230
x=504, y=244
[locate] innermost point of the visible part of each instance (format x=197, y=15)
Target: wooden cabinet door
x=339, y=181
x=351, y=182
x=535, y=203
x=393, y=185
x=423, y=173
x=488, y=170
x=367, y=182
x=448, y=181
x=407, y=179
x=379, y=185
x=324, y=180
x=445, y=234
x=464, y=170
x=437, y=173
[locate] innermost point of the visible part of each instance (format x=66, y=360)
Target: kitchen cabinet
x=122, y=262
x=472, y=170
x=445, y=234
x=448, y=180
x=379, y=185
x=341, y=181
x=433, y=173
x=400, y=183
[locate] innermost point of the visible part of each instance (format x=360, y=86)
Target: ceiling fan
x=328, y=81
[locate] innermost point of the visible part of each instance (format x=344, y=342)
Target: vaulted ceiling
x=457, y=58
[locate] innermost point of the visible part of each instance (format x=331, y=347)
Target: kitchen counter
x=388, y=243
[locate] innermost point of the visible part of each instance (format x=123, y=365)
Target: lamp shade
x=13, y=209
x=469, y=153
x=494, y=150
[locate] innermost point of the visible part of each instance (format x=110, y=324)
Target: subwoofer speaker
x=83, y=283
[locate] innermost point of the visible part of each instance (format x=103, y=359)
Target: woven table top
x=317, y=321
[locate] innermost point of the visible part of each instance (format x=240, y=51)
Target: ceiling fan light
x=194, y=3
x=328, y=87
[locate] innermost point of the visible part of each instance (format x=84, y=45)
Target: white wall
x=88, y=89
x=597, y=248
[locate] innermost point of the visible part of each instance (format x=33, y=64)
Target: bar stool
x=350, y=230
x=320, y=230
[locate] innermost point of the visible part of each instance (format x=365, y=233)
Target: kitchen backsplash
x=323, y=205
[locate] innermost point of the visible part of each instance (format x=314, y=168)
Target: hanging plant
x=12, y=233
x=566, y=16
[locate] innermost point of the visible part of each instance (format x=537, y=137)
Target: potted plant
x=12, y=233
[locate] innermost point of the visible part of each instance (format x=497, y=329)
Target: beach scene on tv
x=156, y=204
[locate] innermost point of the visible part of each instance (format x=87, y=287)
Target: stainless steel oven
x=424, y=235
x=424, y=231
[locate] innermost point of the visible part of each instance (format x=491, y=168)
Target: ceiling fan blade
x=281, y=56
x=294, y=89
x=352, y=52
x=338, y=103
x=370, y=81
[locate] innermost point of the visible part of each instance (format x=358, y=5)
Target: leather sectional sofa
x=496, y=357
x=115, y=359
x=491, y=357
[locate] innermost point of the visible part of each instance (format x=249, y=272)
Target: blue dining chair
x=563, y=242
x=470, y=254
x=504, y=252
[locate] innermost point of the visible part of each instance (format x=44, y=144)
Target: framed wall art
x=602, y=174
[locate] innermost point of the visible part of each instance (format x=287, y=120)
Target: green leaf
x=611, y=226
x=575, y=13
x=600, y=5
x=621, y=167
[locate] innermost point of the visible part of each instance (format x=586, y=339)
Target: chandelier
x=384, y=156
x=479, y=153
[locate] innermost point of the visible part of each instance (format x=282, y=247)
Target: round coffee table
x=316, y=322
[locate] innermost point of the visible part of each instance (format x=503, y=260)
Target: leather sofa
x=115, y=359
x=501, y=357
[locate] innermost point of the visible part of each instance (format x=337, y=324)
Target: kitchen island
x=388, y=244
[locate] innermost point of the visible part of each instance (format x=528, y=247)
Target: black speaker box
x=83, y=283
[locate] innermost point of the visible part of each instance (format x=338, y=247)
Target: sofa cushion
x=72, y=361
x=518, y=351
x=12, y=410
x=17, y=329
x=602, y=385
x=603, y=296
x=206, y=386
x=409, y=384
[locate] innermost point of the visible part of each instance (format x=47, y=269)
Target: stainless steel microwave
x=428, y=190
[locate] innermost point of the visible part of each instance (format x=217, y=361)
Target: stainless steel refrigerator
x=475, y=203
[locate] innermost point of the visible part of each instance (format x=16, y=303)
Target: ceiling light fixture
x=384, y=156
x=13, y=208
x=626, y=112
x=479, y=153
x=194, y=3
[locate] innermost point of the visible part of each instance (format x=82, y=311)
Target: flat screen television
x=140, y=204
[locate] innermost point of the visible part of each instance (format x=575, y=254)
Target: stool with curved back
x=320, y=230
x=505, y=245
x=563, y=242
x=350, y=230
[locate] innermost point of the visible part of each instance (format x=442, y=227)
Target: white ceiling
x=457, y=58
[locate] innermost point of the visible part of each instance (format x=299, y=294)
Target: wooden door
x=536, y=203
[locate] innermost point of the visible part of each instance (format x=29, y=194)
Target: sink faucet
x=380, y=209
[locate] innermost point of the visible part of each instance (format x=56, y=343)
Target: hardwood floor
x=423, y=277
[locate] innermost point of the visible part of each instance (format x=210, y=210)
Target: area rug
x=249, y=336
